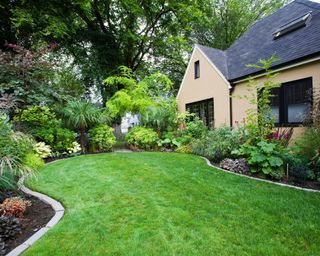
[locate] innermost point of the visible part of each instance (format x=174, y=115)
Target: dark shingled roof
x=258, y=42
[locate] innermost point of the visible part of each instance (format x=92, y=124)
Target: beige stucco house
x=214, y=78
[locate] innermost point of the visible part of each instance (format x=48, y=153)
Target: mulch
x=310, y=184
x=35, y=217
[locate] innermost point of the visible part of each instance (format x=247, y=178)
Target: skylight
x=292, y=25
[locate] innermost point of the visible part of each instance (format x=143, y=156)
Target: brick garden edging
x=254, y=178
x=59, y=212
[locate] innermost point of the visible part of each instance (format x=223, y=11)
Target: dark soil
x=35, y=217
x=311, y=184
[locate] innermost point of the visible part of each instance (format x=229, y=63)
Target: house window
x=291, y=102
x=204, y=110
x=196, y=69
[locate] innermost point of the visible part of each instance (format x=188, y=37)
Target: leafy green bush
x=192, y=130
x=264, y=157
x=42, y=123
x=33, y=161
x=163, y=117
x=102, y=137
x=169, y=140
x=309, y=148
x=38, y=116
x=218, y=143
x=186, y=149
x=141, y=137
x=59, y=139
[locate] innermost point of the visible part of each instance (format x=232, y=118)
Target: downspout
x=230, y=104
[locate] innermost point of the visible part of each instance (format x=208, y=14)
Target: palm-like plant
x=80, y=115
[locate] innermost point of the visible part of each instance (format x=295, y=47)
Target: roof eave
x=286, y=65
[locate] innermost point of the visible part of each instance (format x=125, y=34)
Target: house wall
x=240, y=106
x=209, y=85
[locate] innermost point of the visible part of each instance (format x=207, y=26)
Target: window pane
x=297, y=112
x=275, y=113
x=202, y=109
x=298, y=99
x=197, y=69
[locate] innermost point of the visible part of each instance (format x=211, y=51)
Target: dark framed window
x=204, y=110
x=196, y=69
x=291, y=102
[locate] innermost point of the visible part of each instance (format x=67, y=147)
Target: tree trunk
x=82, y=140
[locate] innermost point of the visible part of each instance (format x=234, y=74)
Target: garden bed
x=309, y=184
x=35, y=217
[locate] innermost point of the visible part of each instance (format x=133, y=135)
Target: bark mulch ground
x=35, y=217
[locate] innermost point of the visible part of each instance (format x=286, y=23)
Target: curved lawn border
x=59, y=212
x=254, y=178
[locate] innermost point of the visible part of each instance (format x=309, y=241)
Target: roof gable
x=258, y=42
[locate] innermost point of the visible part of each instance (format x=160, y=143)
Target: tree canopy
x=226, y=20
x=98, y=36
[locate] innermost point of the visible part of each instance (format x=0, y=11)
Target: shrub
x=301, y=172
x=169, y=140
x=38, y=116
x=15, y=206
x=102, y=137
x=162, y=117
x=264, y=157
x=218, y=143
x=141, y=137
x=186, y=149
x=191, y=130
x=309, y=148
x=42, y=150
x=33, y=161
x=59, y=139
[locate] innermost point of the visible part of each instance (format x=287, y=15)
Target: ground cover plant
x=172, y=204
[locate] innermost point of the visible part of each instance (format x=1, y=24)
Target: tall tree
x=103, y=34
x=226, y=20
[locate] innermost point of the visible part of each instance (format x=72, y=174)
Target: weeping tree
x=135, y=96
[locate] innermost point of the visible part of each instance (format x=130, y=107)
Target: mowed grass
x=172, y=204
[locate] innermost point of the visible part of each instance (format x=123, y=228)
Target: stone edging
x=254, y=178
x=59, y=212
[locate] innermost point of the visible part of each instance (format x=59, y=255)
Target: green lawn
x=172, y=204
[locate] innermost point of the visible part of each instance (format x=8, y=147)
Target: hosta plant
x=42, y=150
x=75, y=148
